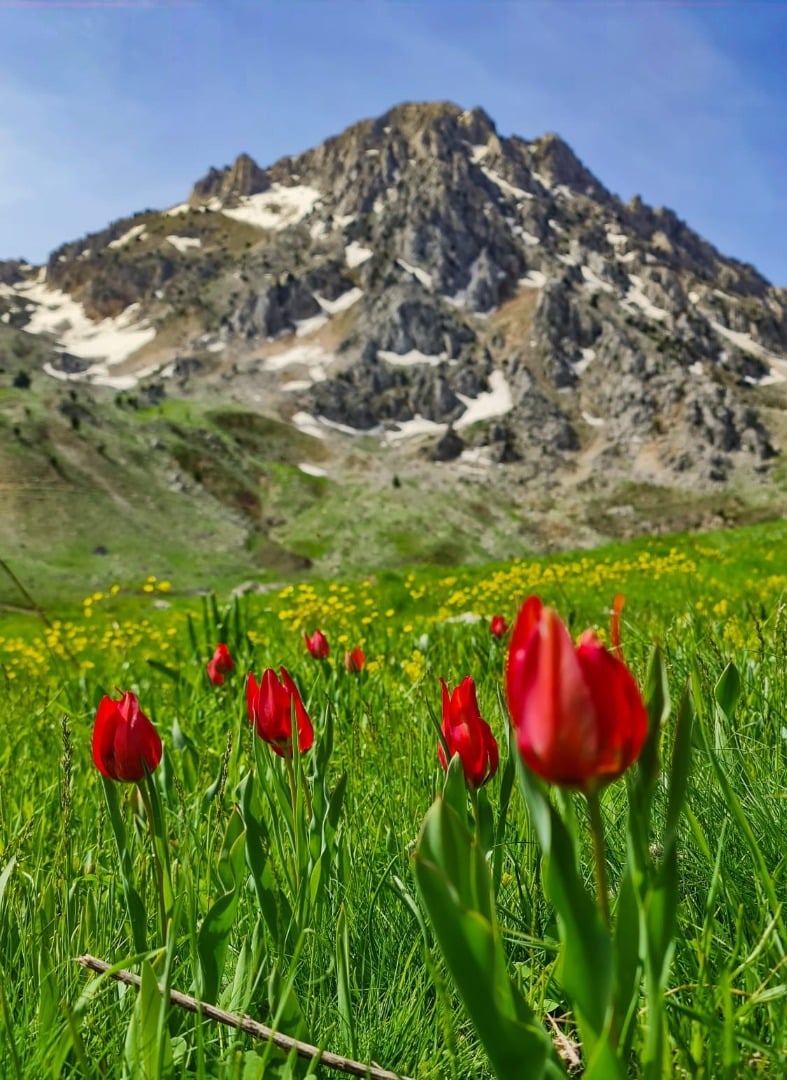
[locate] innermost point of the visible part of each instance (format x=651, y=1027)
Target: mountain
x=420, y=299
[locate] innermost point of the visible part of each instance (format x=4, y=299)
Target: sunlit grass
x=709, y=600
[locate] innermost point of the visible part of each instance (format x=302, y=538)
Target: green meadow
x=352, y=965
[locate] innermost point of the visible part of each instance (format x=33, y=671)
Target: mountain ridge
x=419, y=292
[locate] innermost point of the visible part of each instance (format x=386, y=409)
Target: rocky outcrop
x=274, y=311
x=11, y=272
x=405, y=317
x=373, y=393
x=448, y=447
x=244, y=177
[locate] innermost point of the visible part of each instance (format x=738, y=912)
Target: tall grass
x=364, y=978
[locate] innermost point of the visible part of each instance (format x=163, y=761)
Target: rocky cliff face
x=423, y=278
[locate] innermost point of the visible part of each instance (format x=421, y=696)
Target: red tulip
x=317, y=644
x=219, y=665
x=467, y=734
x=579, y=718
x=354, y=661
x=498, y=627
x=270, y=707
x=125, y=743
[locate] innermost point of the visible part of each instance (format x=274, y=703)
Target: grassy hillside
x=97, y=486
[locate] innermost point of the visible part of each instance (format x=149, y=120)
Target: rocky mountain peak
x=244, y=177
x=420, y=271
x=556, y=161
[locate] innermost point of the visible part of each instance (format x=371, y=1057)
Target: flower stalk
x=599, y=854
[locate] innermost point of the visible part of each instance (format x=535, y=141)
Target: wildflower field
x=304, y=848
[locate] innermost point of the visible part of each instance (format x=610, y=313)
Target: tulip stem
x=474, y=804
x=145, y=796
x=599, y=855
x=305, y=788
x=295, y=825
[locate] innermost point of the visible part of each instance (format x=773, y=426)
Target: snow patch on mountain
x=134, y=233
x=497, y=401
x=312, y=356
x=341, y=303
x=421, y=275
x=277, y=208
x=504, y=186
x=184, y=243
x=407, y=429
x=777, y=364
x=588, y=356
x=593, y=281
x=355, y=254
x=408, y=359
x=533, y=279
x=635, y=297
x=111, y=340
x=304, y=327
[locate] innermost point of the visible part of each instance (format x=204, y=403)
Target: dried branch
x=249, y=1026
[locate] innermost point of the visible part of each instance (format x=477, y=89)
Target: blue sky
x=113, y=106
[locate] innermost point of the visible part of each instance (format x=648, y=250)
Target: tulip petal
x=252, y=694
x=555, y=717
x=304, y=724
x=103, y=752
x=622, y=718
x=467, y=733
x=524, y=628
x=125, y=743
x=273, y=712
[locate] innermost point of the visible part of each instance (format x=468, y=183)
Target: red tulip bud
x=498, y=627
x=270, y=704
x=125, y=743
x=578, y=715
x=354, y=661
x=468, y=734
x=317, y=645
x=219, y=665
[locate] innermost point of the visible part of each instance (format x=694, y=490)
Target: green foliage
x=307, y=919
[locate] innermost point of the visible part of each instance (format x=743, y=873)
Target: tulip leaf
x=48, y=994
x=728, y=690
x=455, y=787
x=324, y=745
x=214, y=934
x=239, y=994
x=604, y=1064
x=196, y=648
x=680, y=766
x=455, y=886
x=136, y=910
x=660, y=901
x=335, y=802
x=507, y=778
x=626, y=956
x=486, y=821
x=273, y=904
x=147, y=1054
x=658, y=704
x=230, y=861
x=586, y=957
